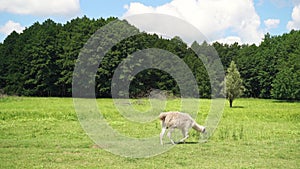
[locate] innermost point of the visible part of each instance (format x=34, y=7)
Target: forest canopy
x=40, y=62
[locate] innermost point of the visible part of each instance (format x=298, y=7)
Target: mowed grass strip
x=45, y=133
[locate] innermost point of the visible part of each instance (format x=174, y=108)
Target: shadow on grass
x=189, y=142
x=237, y=107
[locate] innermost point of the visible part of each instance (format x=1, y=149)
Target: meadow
x=45, y=133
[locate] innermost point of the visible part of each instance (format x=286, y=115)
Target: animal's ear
x=162, y=116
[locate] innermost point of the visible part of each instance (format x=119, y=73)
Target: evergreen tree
x=234, y=87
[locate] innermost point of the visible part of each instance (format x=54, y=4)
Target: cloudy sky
x=244, y=21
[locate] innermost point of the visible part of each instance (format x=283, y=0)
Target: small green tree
x=234, y=87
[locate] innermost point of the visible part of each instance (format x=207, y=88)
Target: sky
x=226, y=21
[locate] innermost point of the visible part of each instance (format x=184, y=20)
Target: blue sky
x=245, y=21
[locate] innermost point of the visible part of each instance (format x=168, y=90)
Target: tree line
x=40, y=62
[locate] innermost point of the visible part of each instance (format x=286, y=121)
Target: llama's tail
x=198, y=127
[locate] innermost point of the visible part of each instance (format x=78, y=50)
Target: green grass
x=45, y=133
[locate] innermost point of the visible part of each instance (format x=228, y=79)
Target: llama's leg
x=169, y=135
x=185, y=135
x=163, y=130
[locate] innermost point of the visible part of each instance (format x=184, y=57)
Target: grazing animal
x=182, y=121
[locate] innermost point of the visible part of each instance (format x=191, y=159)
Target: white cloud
x=230, y=40
x=272, y=23
x=295, y=23
x=214, y=18
x=41, y=7
x=11, y=26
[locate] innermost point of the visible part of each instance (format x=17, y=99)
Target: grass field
x=45, y=133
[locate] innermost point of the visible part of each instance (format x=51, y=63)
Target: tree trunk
x=230, y=102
